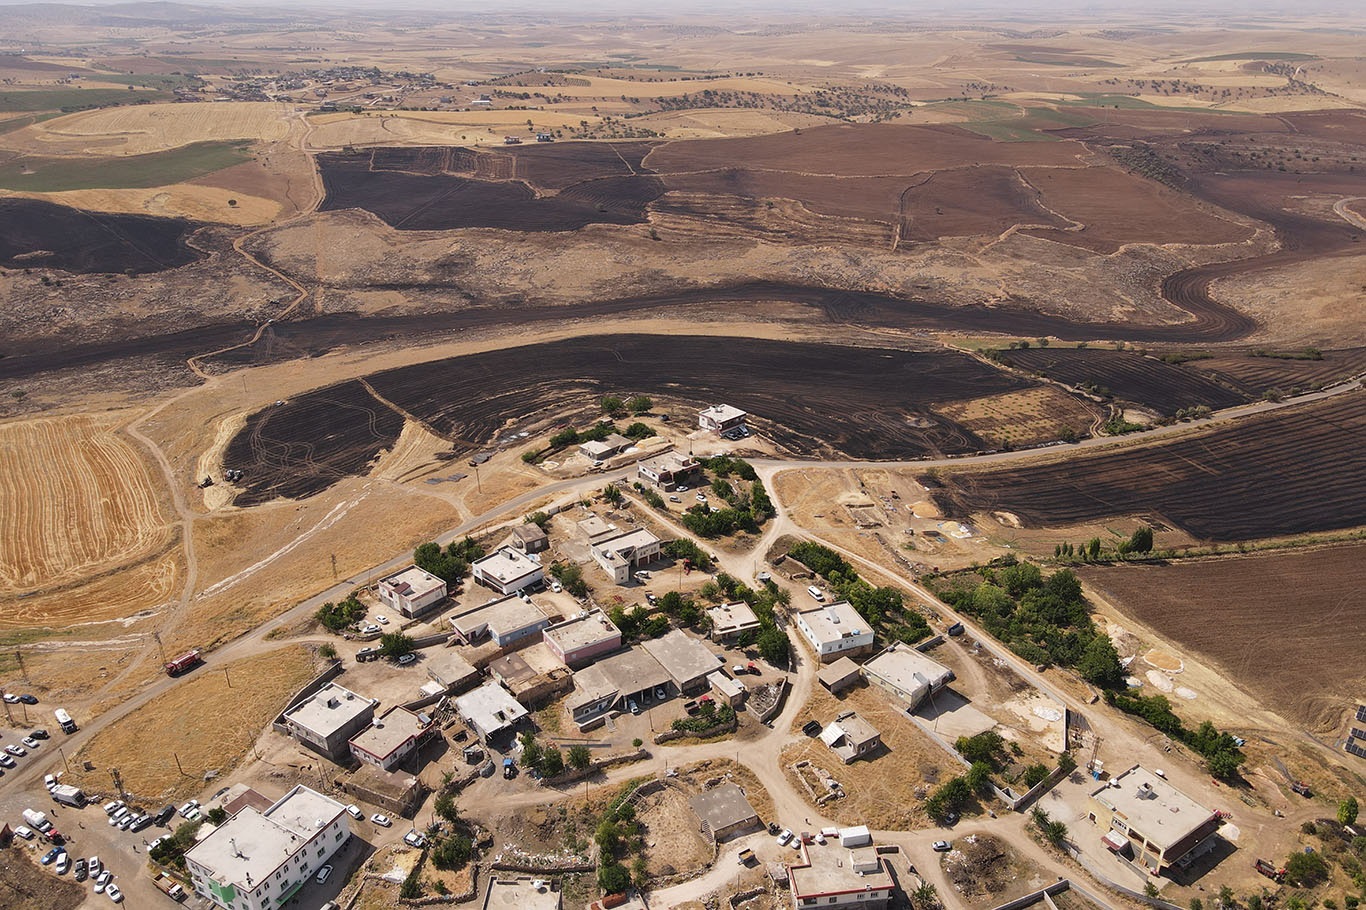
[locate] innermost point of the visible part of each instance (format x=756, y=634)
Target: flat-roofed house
x=391, y=738
x=490, y=710
x=504, y=621
x=411, y=591
x=530, y=538
x=1164, y=827
x=836, y=630
x=687, y=661
x=906, y=674
x=851, y=737
x=328, y=718
x=597, y=450
x=582, y=639
x=508, y=571
x=258, y=860
x=730, y=621
x=619, y=556
x=670, y=470
x=724, y=812
x=839, y=877
x=616, y=682
x=720, y=417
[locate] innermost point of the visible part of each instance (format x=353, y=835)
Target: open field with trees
x=1233, y=611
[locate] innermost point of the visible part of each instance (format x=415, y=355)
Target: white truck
x=69, y=796
x=38, y=821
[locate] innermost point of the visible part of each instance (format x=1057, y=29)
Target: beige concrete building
x=1163, y=826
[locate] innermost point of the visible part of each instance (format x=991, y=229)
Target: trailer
x=184, y=663
x=169, y=886
x=69, y=796
x=64, y=720
x=1270, y=871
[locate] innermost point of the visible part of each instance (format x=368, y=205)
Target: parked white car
x=382, y=820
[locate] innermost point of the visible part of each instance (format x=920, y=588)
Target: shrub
x=613, y=878
x=337, y=617
x=453, y=852
x=1305, y=869
x=580, y=757
x=395, y=644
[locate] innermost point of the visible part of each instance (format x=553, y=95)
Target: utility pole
x=19, y=658
x=65, y=763
x=227, y=677
x=160, y=646
x=334, y=566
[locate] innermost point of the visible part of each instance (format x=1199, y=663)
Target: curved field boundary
x=1142, y=380
x=1296, y=471
x=76, y=500
x=870, y=403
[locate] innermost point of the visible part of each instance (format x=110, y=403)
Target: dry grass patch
x=182, y=200
x=24, y=885
x=144, y=128
x=887, y=793
x=163, y=749
x=1022, y=418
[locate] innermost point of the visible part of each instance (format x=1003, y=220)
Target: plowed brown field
x=1286, y=627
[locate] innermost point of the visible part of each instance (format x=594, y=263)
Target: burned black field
x=307, y=444
x=46, y=235
x=419, y=192
x=1136, y=378
x=1290, y=472
x=811, y=398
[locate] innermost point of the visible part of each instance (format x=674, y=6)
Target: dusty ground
x=25, y=885
x=672, y=842
x=986, y=871
x=876, y=796
x=215, y=718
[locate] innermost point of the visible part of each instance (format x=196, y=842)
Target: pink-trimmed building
x=581, y=640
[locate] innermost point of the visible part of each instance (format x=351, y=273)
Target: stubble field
x=76, y=501
x=1286, y=627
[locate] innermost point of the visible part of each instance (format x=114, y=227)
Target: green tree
x=773, y=646
x=638, y=430
x=1305, y=869
x=444, y=807
x=338, y=617
x=613, y=878
x=531, y=750
x=327, y=651
x=453, y=852
x=612, y=404
x=552, y=762
x=1224, y=764
x=580, y=757
x=925, y=897
x=639, y=404
x=987, y=747
x=1099, y=663
x=1141, y=541
x=540, y=519
x=1347, y=811
x=395, y=644
x=979, y=778
x=216, y=816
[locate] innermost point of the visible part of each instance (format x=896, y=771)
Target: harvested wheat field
x=144, y=128
x=75, y=499
x=216, y=715
x=182, y=200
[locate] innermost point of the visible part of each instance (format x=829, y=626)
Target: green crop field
x=1256, y=55
x=76, y=99
x=53, y=175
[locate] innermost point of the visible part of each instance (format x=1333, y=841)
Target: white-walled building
x=411, y=591
x=720, y=417
x=393, y=736
x=620, y=555
x=835, y=630
x=259, y=860
x=508, y=571
x=907, y=674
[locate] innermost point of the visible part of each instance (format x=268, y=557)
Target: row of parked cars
x=82, y=869
x=18, y=750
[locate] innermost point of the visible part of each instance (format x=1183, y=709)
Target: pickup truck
x=169, y=886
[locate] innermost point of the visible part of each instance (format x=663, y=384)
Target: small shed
x=839, y=676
